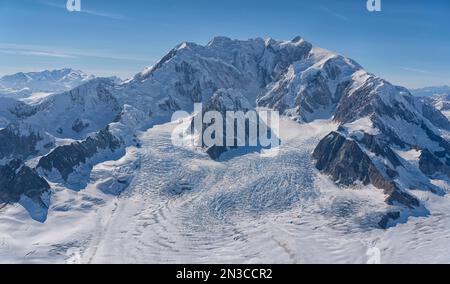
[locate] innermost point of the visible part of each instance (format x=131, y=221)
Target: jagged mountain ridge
x=308, y=83
x=21, y=141
x=303, y=82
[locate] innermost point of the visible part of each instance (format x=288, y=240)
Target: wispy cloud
x=43, y=51
x=334, y=14
x=34, y=53
x=416, y=70
x=86, y=11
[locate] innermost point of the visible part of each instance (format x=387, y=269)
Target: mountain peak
x=186, y=45
x=297, y=39
x=219, y=40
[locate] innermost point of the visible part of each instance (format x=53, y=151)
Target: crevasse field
x=183, y=207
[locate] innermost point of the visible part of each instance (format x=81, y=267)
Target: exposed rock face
x=388, y=219
x=230, y=101
x=16, y=180
x=434, y=164
x=434, y=115
x=378, y=121
x=377, y=117
x=227, y=100
x=347, y=163
x=310, y=89
x=278, y=57
x=193, y=73
x=439, y=99
x=65, y=159
x=79, y=125
x=224, y=101
x=308, y=83
x=21, y=141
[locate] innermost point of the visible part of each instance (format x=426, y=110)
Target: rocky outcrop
x=310, y=90
x=222, y=101
x=65, y=159
x=377, y=119
x=347, y=164
x=16, y=180
x=438, y=100
x=388, y=219
x=21, y=141
x=192, y=73
x=78, y=125
x=434, y=115
x=308, y=83
x=231, y=101
x=433, y=164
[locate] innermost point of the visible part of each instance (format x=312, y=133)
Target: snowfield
x=182, y=207
x=89, y=172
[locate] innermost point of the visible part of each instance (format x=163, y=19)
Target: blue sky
x=407, y=43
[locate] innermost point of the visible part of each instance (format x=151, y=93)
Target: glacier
x=362, y=164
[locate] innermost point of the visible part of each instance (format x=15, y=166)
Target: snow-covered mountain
x=440, y=101
x=355, y=149
x=73, y=114
x=54, y=81
x=308, y=83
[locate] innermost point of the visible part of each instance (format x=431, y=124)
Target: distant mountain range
x=42, y=82
x=430, y=91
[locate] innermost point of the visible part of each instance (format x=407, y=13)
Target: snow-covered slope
x=380, y=121
x=72, y=114
x=309, y=83
x=439, y=97
x=193, y=73
x=183, y=207
x=440, y=101
x=78, y=112
x=357, y=153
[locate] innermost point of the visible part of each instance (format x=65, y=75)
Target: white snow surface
x=161, y=203
x=183, y=207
